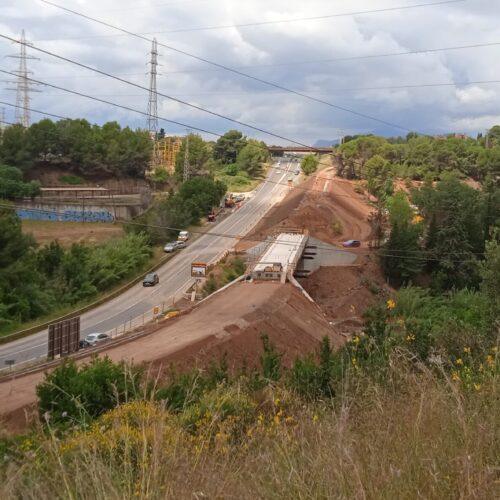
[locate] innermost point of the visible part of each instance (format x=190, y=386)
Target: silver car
x=95, y=338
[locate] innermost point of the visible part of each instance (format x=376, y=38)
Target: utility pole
x=2, y=119
x=186, y=170
x=24, y=86
x=152, y=120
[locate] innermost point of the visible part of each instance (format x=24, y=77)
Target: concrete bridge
x=280, y=150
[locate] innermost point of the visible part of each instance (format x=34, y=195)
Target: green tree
x=402, y=258
x=199, y=154
x=229, y=146
x=252, y=156
x=309, y=164
x=377, y=171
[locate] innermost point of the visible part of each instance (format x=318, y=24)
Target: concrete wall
x=90, y=211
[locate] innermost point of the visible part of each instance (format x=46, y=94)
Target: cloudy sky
x=346, y=60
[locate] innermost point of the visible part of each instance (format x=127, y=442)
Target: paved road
x=175, y=275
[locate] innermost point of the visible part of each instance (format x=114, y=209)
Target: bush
x=309, y=164
x=270, y=360
x=75, y=395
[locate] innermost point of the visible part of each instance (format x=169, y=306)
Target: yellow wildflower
x=356, y=340
x=467, y=350
x=391, y=304
x=417, y=219
x=477, y=387
x=410, y=338
x=494, y=349
x=489, y=360
x=315, y=418
x=455, y=376
x=459, y=361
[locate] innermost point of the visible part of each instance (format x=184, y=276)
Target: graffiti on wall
x=66, y=216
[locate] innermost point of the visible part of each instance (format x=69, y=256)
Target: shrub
x=270, y=360
x=76, y=395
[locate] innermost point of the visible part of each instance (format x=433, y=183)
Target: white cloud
x=428, y=109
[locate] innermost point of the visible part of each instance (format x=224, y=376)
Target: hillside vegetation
x=409, y=408
x=77, y=146
x=34, y=281
x=418, y=157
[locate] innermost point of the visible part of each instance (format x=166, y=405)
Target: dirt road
x=237, y=316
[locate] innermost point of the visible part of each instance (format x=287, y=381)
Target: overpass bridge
x=280, y=150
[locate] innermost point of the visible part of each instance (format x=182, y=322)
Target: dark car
x=83, y=344
x=151, y=279
x=351, y=244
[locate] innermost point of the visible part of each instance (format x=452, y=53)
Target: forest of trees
x=37, y=280
x=416, y=157
x=78, y=147
x=443, y=235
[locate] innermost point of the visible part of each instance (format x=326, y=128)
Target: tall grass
x=417, y=435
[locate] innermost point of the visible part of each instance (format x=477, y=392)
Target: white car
x=95, y=338
x=183, y=236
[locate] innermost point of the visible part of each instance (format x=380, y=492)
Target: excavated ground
x=229, y=322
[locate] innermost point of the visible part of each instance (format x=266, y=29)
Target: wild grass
x=415, y=435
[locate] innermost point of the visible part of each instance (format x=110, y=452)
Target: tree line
x=77, y=146
x=416, y=157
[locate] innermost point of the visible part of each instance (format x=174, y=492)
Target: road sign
x=64, y=337
x=198, y=270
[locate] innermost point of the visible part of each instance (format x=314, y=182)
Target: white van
x=183, y=236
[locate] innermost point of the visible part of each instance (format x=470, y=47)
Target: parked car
x=297, y=171
x=93, y=339
x=151, y=279
x=183, y=236
x=83, y=344
x=351, y=244
x=239, y=198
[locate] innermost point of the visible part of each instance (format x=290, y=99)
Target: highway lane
x=175, y=275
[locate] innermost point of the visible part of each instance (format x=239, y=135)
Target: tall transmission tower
x=186, y=170
x=24, y=86
x=152, y=120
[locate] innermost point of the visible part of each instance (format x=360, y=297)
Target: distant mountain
x=325, y=143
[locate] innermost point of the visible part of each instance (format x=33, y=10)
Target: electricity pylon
x=152, y=120
x=24, y=86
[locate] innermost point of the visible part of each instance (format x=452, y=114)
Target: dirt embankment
x=327, y=206
x=230, y=322
x=332, y=210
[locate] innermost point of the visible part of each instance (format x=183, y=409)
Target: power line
x=345, y=59
x=356, y=162
x=249, y=237
x=269, y=23
x=232, y=70
x=276, y=92
x=194, y=106
x=195, y=128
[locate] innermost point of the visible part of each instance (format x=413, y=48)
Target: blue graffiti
x=66, y=216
